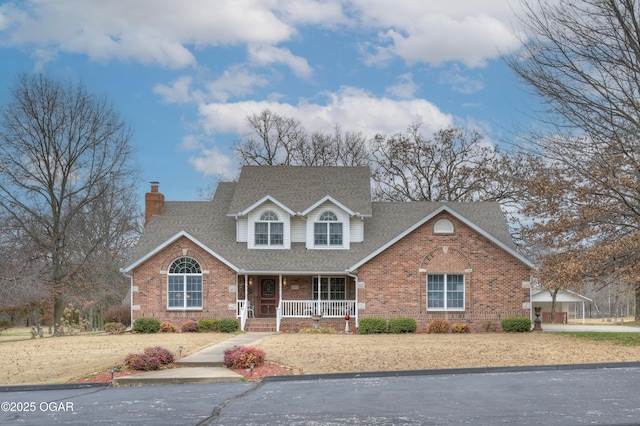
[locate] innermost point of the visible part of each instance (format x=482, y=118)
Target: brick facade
x=151, y=279
x=395, y=280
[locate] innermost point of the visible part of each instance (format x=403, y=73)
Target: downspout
x=131, y=303
x=355, y=279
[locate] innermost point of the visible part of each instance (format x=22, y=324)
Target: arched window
x=327, y=231
x=184, y=284
x=269, y=231
x=443, y=226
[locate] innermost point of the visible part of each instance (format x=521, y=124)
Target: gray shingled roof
x=349, y=186
x=210, y=225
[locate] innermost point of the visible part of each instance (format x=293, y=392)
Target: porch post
x=355, y=311
x=246, y=287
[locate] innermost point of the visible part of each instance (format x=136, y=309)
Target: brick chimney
x=153, y=203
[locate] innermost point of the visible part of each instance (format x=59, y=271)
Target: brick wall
x=395, y=281
x=152, y=285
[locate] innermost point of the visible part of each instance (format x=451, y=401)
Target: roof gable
x=484, y=213
x=300, y=187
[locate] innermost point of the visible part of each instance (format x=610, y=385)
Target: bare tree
x=273, y=142
x=582, y=58
x=277, y=140
x=453, y=165
x=63, y=152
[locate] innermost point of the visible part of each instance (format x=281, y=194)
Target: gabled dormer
x=322, y=207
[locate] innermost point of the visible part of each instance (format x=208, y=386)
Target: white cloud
x=354, y=109
x=436, y=32
x=266, y=55
x=458, y=81
x=405, y=88
x=149, y=31
x=208, y=160
x=179, y=92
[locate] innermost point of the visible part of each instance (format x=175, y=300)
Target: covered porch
x=295, y=296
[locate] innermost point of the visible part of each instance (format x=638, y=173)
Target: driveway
x=552, y=395
x=578, y=327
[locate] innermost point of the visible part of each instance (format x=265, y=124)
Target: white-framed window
x=269, y=231
x=327, y=231
x=184, y=284
x=445, y=292
x=331, y=288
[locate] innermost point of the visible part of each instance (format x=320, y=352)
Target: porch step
x=261, y=325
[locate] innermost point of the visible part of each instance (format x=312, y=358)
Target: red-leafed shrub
x=243, y=357
x=168, y=327
x=438, y=326
x=153, y=358
x=189, y=327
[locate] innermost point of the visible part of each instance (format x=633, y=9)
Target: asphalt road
x=550, y=396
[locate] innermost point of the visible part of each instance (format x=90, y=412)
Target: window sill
x=184, y=309
x=445, y=310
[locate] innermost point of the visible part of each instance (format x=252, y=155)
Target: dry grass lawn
x=323, y=353
x=63, y=359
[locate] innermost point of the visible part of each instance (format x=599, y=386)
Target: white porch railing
x=308, y=308
x=242, y=312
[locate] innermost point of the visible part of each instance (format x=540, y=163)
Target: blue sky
x=185, y=74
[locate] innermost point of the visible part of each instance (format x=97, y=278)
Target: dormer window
x=327, y=231
x=269, y=231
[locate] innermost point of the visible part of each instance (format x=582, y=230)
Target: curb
x=27, y=388
x=437, y=372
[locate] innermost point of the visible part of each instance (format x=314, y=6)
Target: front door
x=268, y=297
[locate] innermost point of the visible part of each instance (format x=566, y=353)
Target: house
x=287, y=247
x=565, y=300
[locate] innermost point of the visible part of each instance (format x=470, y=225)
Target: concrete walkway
x=579, y=327
x=205, y=366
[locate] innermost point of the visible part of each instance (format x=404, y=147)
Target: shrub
x=207, y=324
x=490, y=326
x=402, y=325
x=438, y=327
x=243, y=357
x=372, y=326
x=114, y=327
x=189, y=326
x=5, y=324
x=153, y=358
x=460, y=328
x=146, y=325
x=167, y=327
x=121, y=314
x=71, y=323
x=516, y=324
x=228, y=325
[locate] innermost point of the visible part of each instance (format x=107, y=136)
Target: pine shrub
x=372, y=326
x=402, y=325
x=206, y=325
x=146, y=325
x=516, y=324
x=227, y=325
